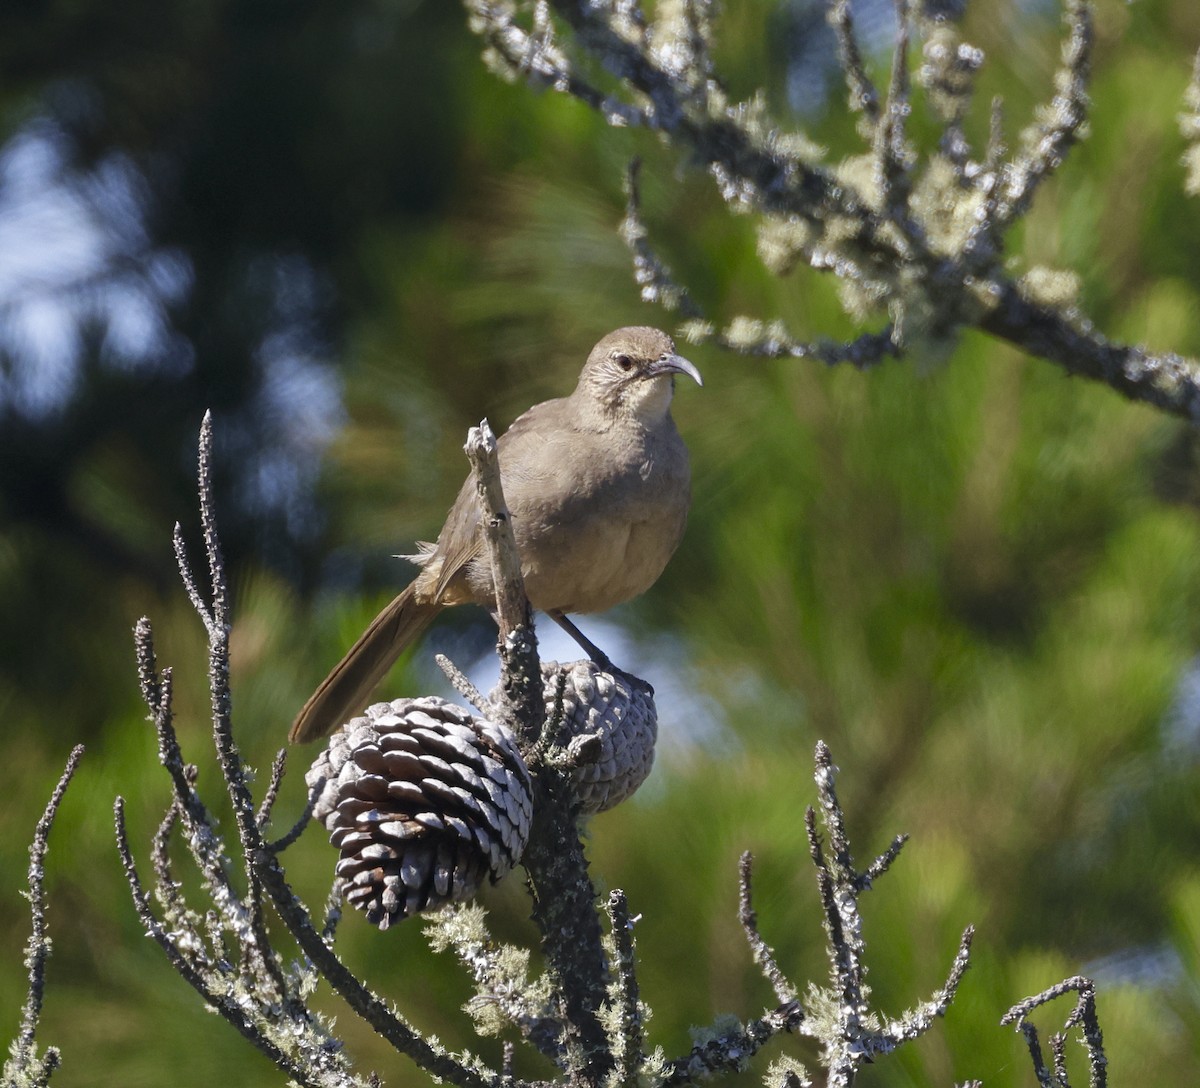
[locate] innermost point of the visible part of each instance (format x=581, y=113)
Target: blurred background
x=978, y=581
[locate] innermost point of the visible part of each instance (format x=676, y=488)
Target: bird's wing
x=460, y=540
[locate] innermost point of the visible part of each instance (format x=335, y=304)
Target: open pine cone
x=424, y=800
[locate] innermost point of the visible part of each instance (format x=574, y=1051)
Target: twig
x=373, y=1009
x=1045, y=144
x=863, y=95
x=732, y=1050
x=189, y=579
x=890, y=150
x=882, y=863
x=165, y=887
x=759, y=949
x=462, y=685
x=628, y=1046
x=278, y=767
x=231, y=1010
x=1083, y=1016
x=649, y=272
x=297, y=829
x=520, y=672
x=23, y=1061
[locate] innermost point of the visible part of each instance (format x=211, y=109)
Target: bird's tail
x=345, y=691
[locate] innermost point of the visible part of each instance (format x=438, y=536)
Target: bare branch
x=1083, y=1016
x=759, y=949
x=278, y=766
x=520, y=671
x=926, y=246
x=463, y=685
x=628, y=1046
x=189, y=579
x=864, y=97
x=297, y=829
x=890, y=145
x=651, y=275
x=165, y=887
x=882, y=863
x=732, y=1050
x=24, y=1063
x=187, y=967
x=1045, y=144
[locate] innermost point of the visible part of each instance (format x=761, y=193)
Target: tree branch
x=921, y=238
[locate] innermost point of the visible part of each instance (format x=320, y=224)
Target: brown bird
x=598, y=487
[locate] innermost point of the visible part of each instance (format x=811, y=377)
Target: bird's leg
x=586, y=644
x=595, y=653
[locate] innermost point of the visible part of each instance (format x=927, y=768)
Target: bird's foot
x=636, y=682
x=598, y=656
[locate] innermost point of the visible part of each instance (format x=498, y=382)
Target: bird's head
x=632, y=371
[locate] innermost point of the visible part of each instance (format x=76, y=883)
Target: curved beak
x=674, y=364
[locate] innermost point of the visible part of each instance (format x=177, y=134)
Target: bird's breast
x=605, y=537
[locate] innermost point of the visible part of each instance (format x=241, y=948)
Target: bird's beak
x=674, y=364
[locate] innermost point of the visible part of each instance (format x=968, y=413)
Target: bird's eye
x=624, y=362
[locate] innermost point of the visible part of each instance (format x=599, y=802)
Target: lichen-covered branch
x=564, y=899
x=224, y=949
x=626, y=1019
x=505, y=994
x=25, y=1066
x=584, y=1012
x=763, y=955
x=840, y=1017
x=1083, y=1016
x=916, y=236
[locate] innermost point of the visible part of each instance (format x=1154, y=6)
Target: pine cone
x=424, y=800
x=609, y=724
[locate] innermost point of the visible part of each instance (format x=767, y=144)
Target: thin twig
x=1083, y=1015
x=373, y=1009
x=459, y=681
x=890, y=147
x=881, y=864
x=278, y=767
x=165, y=886
x=863, y=95
x=189, y=579
x=297, y=829
x=520, y=672
x=1045, y=144
x=761, y=952
x=629, y=1042
x=231, y=1010
x=24, y=1058
x=157, y=693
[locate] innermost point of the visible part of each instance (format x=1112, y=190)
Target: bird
x=597, y=486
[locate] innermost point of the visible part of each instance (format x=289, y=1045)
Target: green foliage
x=979, y=582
